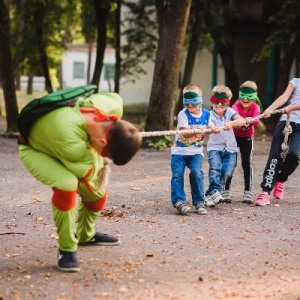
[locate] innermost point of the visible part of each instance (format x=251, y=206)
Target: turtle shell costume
x=60, y=155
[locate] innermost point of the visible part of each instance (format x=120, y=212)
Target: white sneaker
x=217, y=198
x=226, y=196
x=182, y=208
x=208, y=201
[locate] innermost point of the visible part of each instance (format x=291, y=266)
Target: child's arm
x=280, y=100
x=237, y=121
x=289, y=108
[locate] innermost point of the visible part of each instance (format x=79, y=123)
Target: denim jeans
x=221, y=167
x=196, y=176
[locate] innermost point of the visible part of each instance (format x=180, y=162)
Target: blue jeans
x=221, y=167
x=178, y=164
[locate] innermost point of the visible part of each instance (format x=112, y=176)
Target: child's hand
x=266, y=113
x=249, y=120
x=288, y=109
x=227, y=126
x=217, y=130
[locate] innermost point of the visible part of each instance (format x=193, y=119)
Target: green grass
x=22, y=99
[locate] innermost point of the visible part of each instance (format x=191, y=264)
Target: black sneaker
x=67, y=261
x=103, y=239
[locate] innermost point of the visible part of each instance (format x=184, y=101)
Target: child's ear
x=103, y=141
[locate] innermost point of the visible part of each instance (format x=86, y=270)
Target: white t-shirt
x=294, y=100
x=194, y=145
x=225, y=140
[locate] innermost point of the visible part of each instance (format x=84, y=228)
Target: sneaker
x=67, y=261
x=182, y=208
x=278, y=190
x=247, y=197
x=103, y=239
x=217, y=198
x=200, y=209
x=226, y=196
x=262, y=199
x=208, y=202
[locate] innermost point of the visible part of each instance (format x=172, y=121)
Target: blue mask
x=192, y=98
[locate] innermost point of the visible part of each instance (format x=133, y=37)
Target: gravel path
x=238, y=251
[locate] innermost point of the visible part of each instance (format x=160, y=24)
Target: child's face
x=246, y=103
x=219, y=108
x=193, y=109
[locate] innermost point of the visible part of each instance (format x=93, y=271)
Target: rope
x=286, y=132
x=191, y=131
x=273, y=112
x=174, y=132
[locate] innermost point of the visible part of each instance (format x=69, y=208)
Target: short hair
x=222, y=89
x=251, y=84
x=192, y=87
x=124, y=141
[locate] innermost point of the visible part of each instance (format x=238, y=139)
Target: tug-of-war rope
x=284, y=146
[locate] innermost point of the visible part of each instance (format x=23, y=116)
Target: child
x=277, y=171
x=246, y=107
x=68, y=150
x=187, y=151
x=221, y=147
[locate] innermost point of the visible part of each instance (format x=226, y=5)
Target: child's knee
x=97, y=205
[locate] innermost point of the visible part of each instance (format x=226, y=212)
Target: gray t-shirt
x=225, y=140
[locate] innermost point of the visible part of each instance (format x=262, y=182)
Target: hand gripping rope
x=190, y=131
x=284, y=146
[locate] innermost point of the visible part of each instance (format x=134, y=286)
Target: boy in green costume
x=68, y=150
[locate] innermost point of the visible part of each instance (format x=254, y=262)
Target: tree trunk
x=102, y=11
x=42, y=48
x=191, y=56
x=6, y=67
x=90, y=51
x=231, y=77
x=30, y=83
x=166, y=72
x=118, y=48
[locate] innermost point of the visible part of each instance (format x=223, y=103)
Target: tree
x=285, y=37
x=141, y=38
x=196, y=29
x=172, y=19
x=6, y=70
x=102, y=11
x=220, y=18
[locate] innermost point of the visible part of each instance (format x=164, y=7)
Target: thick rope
x=286, y=132
x=191, y=131
x=174, y=132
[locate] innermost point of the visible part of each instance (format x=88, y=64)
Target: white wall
x=79, y=53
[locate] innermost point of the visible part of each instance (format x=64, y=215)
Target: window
x=78, y=70
x=109, y=72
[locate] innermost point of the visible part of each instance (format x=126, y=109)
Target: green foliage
x=161, y=144
x=141, y=36
x=285, y=25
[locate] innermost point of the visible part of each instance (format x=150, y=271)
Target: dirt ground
x=237, y=251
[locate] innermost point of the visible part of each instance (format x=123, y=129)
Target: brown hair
x=124, y=142
x=222, y=89
x=251, y=84
x=192, y=87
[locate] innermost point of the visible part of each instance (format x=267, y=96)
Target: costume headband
x=192, y=98
x=251, y=95
x=220, y=98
